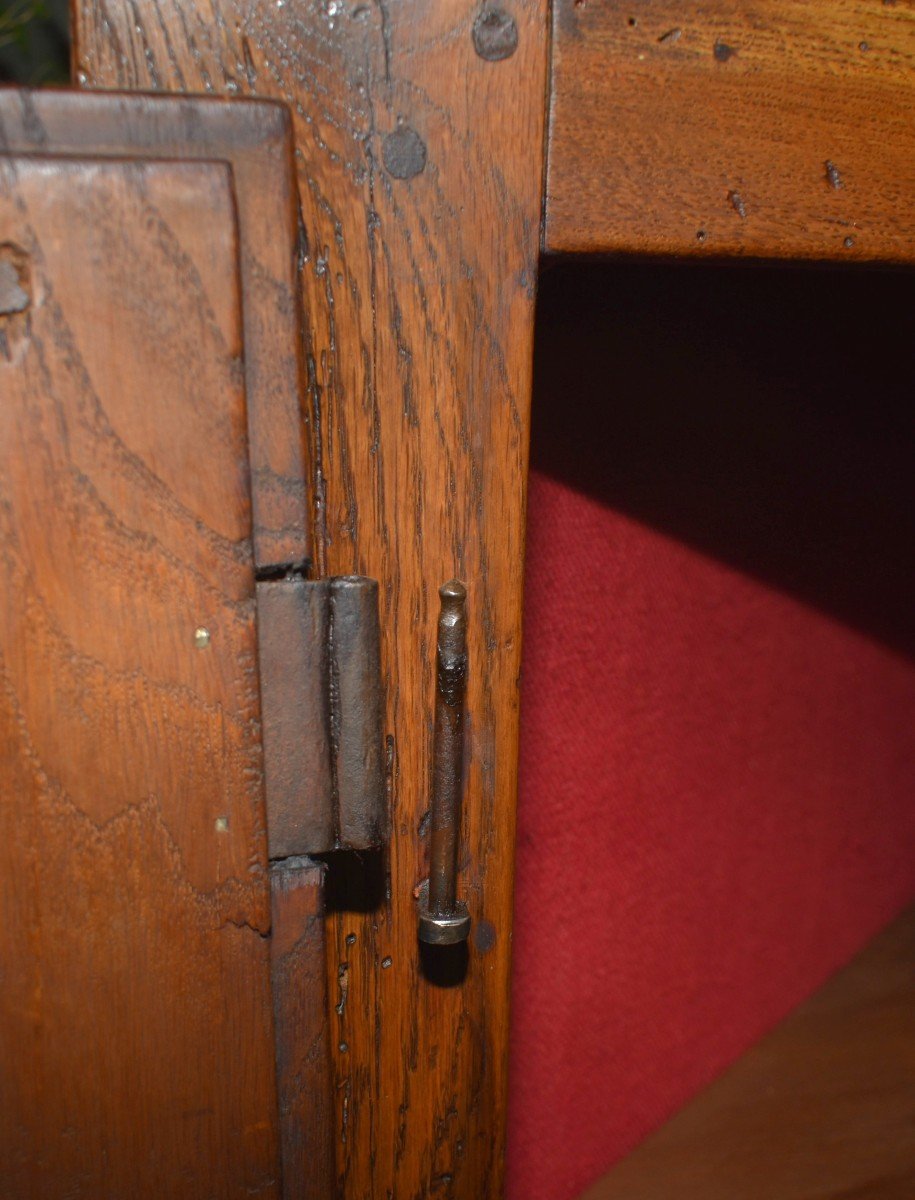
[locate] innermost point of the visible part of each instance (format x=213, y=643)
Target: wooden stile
x=297, y=956
x=419, y=136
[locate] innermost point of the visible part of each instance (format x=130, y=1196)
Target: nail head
x=403, y=153
x=495, y=34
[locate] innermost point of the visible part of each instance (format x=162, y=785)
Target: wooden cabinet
x=394, y=179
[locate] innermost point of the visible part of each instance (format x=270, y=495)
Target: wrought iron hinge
x=320, y=676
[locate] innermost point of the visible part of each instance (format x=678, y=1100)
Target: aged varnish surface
x=136, y=1030
x=781, y=130
x=419, y=135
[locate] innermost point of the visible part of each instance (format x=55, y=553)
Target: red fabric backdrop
x=718, y=764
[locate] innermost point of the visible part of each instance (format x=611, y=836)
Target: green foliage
x=33, y=41
x=14, y=20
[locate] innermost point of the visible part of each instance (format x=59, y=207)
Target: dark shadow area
x=34, y=42
x=444, y=966
x=763, y=415
x=356, y=880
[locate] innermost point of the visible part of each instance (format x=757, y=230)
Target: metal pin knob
x=443, y=919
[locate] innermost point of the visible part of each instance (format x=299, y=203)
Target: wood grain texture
x=824, y=1106
x=136, y=1031
x=303, y=1065
x=256, y=140
x=778, y=130
x=420, y=176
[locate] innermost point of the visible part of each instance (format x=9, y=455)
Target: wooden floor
x=822, y=1109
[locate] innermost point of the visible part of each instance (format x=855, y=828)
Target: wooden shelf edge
x=822, y=1108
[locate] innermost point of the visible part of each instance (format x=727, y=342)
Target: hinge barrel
x=320, y=674
x=355, y=713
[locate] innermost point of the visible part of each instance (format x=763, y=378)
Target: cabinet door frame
x=422, y=140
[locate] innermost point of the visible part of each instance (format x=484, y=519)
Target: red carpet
x=716, y=813
x=717, y=791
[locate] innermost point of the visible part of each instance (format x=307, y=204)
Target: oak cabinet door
x=136, y=1022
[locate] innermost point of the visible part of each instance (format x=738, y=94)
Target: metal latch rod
x=443, y=919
